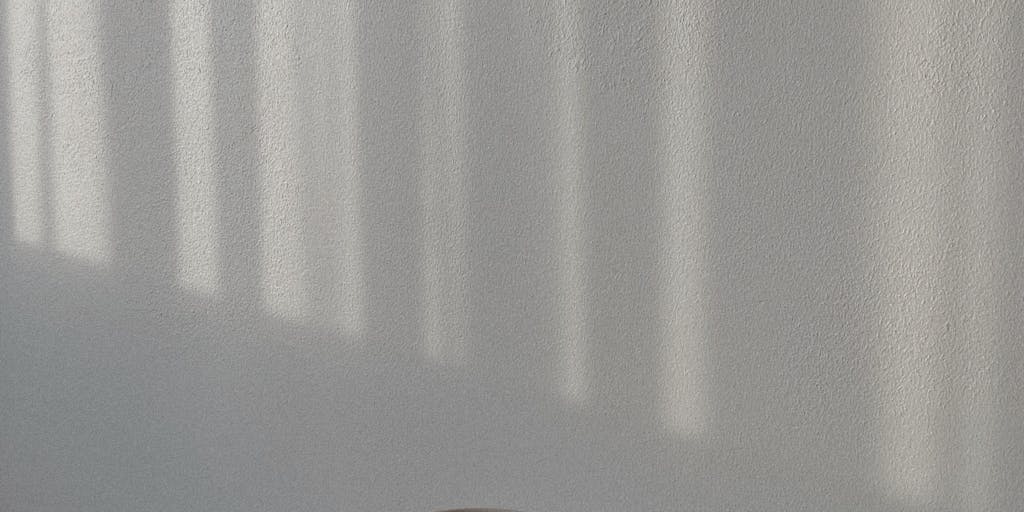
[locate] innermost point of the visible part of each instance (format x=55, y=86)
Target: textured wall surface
x=567, y=255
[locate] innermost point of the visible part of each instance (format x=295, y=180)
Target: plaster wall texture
x=563, y=255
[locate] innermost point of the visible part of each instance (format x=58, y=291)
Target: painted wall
x=564, y=255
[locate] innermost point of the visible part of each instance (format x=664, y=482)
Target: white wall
x=569, y=255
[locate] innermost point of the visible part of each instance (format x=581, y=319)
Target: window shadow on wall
x=787, y=199
x=417, y=176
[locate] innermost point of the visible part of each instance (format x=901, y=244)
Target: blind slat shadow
x=786, y=202
x=140, y=143
x=388, y=99
x=332, y=154
x=623, y=226
x=236, y=142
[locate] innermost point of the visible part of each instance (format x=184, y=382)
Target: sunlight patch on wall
x=574, y=379
x=685, y=159
x=79, y=182
x=25, y=85
x=283, y=279
x=443, y=156
x=351, y=252
x=194, y=129
x=909, y=220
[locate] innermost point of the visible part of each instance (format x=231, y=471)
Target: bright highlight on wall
x=910, y=259
x=283, y=286
x=198, y=236
x=443, y=157
x=81, y=200
x=25, y=83
x=686, y=160
x=574, y=380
